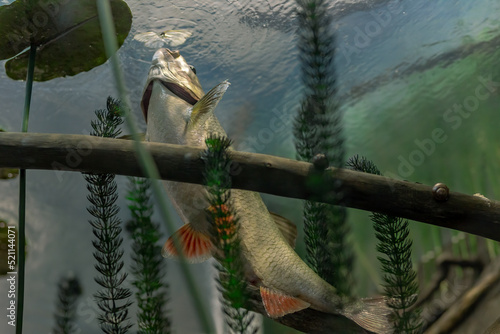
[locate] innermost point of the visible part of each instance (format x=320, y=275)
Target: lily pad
x=67, y=34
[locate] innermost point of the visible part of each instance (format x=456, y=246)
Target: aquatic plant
x=21, y=35
x=400, y=286
x=224, y=222
x=146, y=162
x=318, y=130
x=69, y=290
x=113, y=299
x=148, y=268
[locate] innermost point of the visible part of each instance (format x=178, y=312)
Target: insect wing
x=150, y=39
x=177, y=37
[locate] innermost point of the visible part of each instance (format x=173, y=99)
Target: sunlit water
x=401, y=66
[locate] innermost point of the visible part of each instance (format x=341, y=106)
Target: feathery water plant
x=69, y=291
x=318, y=125
x=318, y=129
x=232, y=283
x=149, y=267
x=400, y=286
x=112, y=300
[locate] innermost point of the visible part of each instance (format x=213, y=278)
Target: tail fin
x=372, y=314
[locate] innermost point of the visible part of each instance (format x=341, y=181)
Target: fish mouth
x=175, y=89
x=171, y=70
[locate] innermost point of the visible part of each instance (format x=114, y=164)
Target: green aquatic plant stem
x=21, y=251
x=21, y=248
x=148, y=266
x=400, y=285
x=145, y=160
x=225, y=227
x=318, y=130
x=29, y=87
x=113, y=298
x=400, y=282
x=69, y=290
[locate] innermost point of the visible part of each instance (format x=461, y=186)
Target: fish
x=168, y=37
x=177, y=111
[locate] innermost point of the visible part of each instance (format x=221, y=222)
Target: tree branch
x=443, y=266
x=256, y=172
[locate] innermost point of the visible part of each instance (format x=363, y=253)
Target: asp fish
x=178, y=112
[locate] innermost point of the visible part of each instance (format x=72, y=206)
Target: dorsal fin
x=287, y=228
x=208, y=102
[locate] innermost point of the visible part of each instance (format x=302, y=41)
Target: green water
x=412, y=130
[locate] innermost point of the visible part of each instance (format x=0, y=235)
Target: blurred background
x=406, y=69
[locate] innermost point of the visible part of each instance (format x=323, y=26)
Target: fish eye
x=192, y=68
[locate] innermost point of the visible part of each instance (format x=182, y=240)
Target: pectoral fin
x=287, y=228
x=208, y=102
x=195, y=245
x=278, y=304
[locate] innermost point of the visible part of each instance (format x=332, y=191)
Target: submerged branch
x=251, y=171
x=460, y=309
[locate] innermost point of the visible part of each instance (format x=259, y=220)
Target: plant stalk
x=22, y=196
x=145, y=160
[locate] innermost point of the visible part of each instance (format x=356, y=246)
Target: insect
x=167, y=37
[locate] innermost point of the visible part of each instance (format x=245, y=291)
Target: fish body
x=494, y=328
x=178, y=112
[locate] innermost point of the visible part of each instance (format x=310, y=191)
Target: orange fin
x=277, y=304
x=195, y=245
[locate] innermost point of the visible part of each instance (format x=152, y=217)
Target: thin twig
x=458, y=311
x=443, y=267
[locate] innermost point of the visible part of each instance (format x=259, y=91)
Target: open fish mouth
x=177, y=90
x=171, y=70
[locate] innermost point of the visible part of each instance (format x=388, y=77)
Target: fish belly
x=274, y=262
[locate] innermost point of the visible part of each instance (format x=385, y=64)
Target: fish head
x=172, y=71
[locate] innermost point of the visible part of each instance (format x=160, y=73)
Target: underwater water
x=419, y=83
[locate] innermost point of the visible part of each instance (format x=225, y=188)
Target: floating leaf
x=67, y=33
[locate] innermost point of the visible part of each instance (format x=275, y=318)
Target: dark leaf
x=67, y=34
